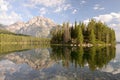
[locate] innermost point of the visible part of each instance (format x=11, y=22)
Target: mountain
x=38, y=26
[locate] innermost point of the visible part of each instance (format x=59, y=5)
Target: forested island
x=94, y=33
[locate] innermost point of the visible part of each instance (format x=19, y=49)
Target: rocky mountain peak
x=37, y=26
x=40, y=21
x=18, y=23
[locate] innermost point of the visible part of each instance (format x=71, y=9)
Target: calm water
x=59, y=63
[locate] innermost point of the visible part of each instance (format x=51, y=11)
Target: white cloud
x=98, y=7
x=104, y=18
x=10, y=18
x=118, y=36
x=5, y=16
x=86, y=21
x=63, y=7
x=67, y=6
x=3, y=5
x=57, y=5
x=116, y=27
x=43, y=11
x=29, y=5
x=116, y=15
x=59, y=9
x=83, y=2
x=107, y=18
x=74, y=11
x=48, y=3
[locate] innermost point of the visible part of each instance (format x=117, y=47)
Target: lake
x=59, y=63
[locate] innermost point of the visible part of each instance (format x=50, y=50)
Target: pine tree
x=92, y=39
x=91, y=25
x=79, y=35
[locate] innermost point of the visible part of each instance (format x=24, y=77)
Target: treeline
x=93, y=33
x=12, y=38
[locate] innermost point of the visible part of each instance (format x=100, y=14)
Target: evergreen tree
x=79, y=35
x=91, y=25
x=92, y=39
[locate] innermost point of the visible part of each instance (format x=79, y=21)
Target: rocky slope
x=38, y=26
x=16, y=26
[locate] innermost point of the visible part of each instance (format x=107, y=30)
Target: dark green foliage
x=93, y=33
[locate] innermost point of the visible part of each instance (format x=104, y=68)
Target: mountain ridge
x=37, y=26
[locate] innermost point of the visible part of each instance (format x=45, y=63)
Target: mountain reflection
x=94, y=57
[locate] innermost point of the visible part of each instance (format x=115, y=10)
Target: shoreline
x=83, y=45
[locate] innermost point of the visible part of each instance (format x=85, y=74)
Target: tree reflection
x=94, y=57
x=9, y=48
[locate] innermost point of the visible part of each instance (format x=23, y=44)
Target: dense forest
x=95, y=32
x=7, y=37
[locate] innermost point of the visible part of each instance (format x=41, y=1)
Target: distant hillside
x=2, y=26
x=3, y=31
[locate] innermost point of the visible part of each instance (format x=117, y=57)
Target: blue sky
x=107, y=11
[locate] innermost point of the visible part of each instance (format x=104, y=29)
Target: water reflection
x=94, y=57
x=36, y=58
x=60, y=63
x=9, y=48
